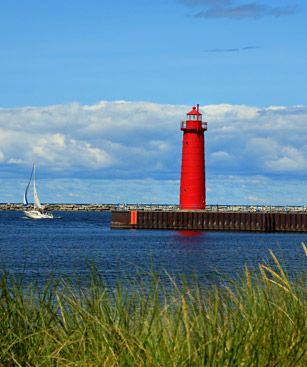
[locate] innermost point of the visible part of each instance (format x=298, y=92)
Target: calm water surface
x=65, y=247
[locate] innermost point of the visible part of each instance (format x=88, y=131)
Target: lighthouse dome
x=194, y=111
x=194, y=114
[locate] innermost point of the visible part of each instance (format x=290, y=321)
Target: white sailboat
x=38, y=211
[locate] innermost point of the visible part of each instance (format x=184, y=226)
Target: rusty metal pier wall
x=216, y=221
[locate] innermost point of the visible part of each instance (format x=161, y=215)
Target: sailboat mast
x=34, y=185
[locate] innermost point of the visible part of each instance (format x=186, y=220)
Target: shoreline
x=89, y=207
x=160, y=207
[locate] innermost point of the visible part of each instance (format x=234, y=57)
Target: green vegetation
x=259, y=320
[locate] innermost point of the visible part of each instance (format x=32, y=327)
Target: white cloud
x=289, y=159
x=160, y=145
x=64, y=152
x=220, y=156
x=140, y=140
x=16, y=161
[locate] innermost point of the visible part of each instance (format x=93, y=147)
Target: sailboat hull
x=35, y=214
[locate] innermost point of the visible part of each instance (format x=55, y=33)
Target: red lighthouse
x=192, y=183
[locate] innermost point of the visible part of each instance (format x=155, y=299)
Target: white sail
x=25, y=196
x=37, y=203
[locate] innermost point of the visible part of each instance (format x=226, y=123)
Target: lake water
x=38, y=250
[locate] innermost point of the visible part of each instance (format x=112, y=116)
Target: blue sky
x=94, y=92
x=159, y=51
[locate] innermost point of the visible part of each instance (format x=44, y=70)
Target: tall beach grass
x=257, y=320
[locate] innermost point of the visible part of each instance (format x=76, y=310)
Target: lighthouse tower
x=192, y=183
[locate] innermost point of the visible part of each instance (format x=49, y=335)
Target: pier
x=215, y=218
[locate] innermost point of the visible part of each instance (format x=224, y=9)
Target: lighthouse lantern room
x=192, y=183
